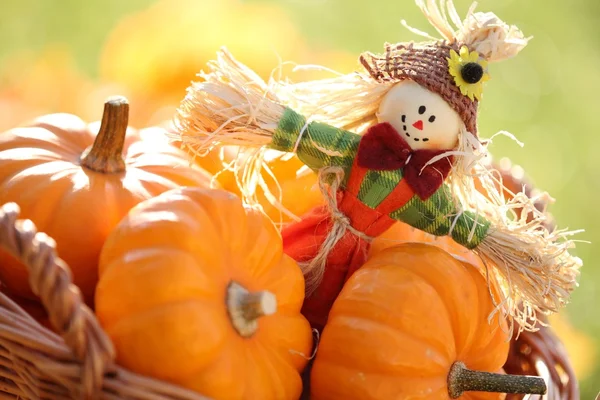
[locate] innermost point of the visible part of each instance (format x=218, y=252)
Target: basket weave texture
x=79, y=361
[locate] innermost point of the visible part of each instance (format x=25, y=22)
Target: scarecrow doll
x=397, y=141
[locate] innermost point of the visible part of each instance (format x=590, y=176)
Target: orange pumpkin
x=401, y=232
x=195, y=289
x=405, y=326
x=76, y=185
x=294, y=188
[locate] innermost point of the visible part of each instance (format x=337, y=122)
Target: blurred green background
x=68, y=55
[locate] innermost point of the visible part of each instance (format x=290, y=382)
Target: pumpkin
x=195, y=289
x=294, y=189
x=298, y=191
x=401, y=232
x=76, y=181
x=412, y=323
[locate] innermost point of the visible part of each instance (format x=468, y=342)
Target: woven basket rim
x=79, y=361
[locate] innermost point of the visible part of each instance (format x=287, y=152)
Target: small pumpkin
x=407, y=325
x=293, y=189
x=75, y=181
x=296, y=190
x=401, y=232
x=195, y=289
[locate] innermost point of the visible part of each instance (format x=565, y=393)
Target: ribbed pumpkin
x=195, y=289
x=405, y=326
x=76, y=181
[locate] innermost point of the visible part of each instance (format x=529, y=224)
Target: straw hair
x=485, y=33
x=231, y=105
x=79, y=362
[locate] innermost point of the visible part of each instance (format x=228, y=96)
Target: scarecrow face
x=421, y=117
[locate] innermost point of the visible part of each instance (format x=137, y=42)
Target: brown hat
x=426, y=64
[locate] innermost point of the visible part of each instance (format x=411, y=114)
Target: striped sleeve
x=321, y=145
x=438, y=216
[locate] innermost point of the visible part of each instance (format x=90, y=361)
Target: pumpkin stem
x=105, y=155
x=461, y=379
x=245, y=308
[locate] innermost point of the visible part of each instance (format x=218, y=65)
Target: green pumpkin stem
x=245, y=307
x=106, y=154
x=461, y=379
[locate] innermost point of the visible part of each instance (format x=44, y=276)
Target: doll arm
x=321, y=145
x=438, y=216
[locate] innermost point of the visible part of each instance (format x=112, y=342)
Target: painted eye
x=432, y=118
x=422, y=110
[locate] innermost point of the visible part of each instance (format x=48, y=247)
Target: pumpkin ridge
x=454, y=322
x=33, y=137
x=464, y=274
x=219, y=337
x=348, y=310
x=157, y=309
x=476, y=357
x=52, y=199
x=367, y=325
x=114, y=272
x=287, y=303
x=440, y=383
x=269, y=355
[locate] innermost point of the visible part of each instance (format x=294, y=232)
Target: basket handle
x=50, y=279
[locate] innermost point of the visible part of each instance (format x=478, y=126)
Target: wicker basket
x=542, y=354
x=36, y=363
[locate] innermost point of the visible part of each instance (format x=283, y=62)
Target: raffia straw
x=231, y=106
x=534, y=268
x=77, y=363
x=330, y=179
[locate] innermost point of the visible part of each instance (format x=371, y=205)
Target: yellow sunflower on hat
x=469, y=71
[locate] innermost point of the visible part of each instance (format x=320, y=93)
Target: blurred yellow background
x=69, y=55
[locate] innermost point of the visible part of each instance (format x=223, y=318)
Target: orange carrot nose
x=418, y=125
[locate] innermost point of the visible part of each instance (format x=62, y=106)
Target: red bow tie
x=383, y=149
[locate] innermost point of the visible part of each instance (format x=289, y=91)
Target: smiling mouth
x=416, y=139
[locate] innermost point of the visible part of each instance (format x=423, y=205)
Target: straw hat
x=455, y=67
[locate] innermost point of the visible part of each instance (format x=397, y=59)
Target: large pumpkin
x=405, y=326
x=186, y=282
x=76, y=181
x=401, y=232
